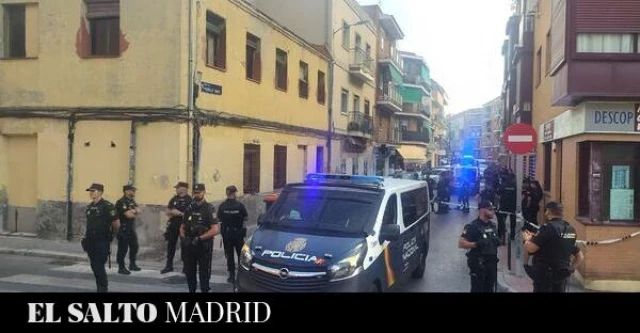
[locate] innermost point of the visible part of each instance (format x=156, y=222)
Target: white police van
x=338, y=233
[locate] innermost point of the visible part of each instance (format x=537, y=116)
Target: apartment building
x=344, y=31
x=586, y=107
x=94, y=91
x=440, y=144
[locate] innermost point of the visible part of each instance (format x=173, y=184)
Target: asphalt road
x=446, y=264
x=446, y=269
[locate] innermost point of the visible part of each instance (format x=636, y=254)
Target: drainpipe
x=191, y=126
x=70, y=141
x=329, y=38
x=132, y=153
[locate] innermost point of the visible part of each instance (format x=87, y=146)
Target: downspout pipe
x=70, y=142
x=329, y=38
x=132, y=152
x=190, y=107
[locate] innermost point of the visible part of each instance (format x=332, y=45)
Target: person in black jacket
x=127, y=210
x=508, y=202
x=232, y=214
x=555, y=254
x=102, y=225
x=175, y=211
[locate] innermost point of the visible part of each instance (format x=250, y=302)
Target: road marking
x=520, y=138
x=85, y=284
x=145, y=273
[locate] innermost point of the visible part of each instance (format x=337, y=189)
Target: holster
x=85, y=245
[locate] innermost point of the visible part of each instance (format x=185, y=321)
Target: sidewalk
x=509, y=281
x=148, y=257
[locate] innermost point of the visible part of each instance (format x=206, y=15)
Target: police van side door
x=392, y=248
x=412, y=220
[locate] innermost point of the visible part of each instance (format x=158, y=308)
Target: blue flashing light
x=354, y=179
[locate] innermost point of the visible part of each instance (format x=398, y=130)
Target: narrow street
x=446, y=269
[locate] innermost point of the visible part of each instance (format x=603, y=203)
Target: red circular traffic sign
x=520, y=139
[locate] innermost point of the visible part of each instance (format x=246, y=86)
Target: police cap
x=198, y=188
x=232, y=189
x=486, y=205
x=96, y=187
x=128, y=188
x=181, y=184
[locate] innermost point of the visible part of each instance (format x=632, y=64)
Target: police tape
x=537, y=227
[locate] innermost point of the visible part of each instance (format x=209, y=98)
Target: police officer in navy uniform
x=480, y=238
x=127, y=210
x=199, y=227
x=175, y=211
x=232, y=214
x=555, y=254
x=102, y=224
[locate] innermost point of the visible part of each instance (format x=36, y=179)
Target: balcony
x=417, y=110
x=361, y=65
x=391, y=97
x=417, y=80
x=360, y=124
x=388, y=135
x=414, y=136
x=394, y=58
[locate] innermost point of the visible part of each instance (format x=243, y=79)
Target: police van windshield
x=324, y=209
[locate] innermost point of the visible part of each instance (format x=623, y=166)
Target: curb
x=503, y=286
x=44, y=254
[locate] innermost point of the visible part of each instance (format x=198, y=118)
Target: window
x=358, y=45
x=104, y=26
x=391, y=211
x=321, y=88
x=279, y=167
x=253, y=67
x=415, y=204
x=368, y=52
x=606, y=43
x=281, y=69
x=251, y=175
x=346, y=35
x=356, y=103
x=344, y=101
x=547, y=166
x=620, y=163
x=547, y=56
x=15, y=31
x=539, y=67
x=584, y=177
x=216, y=41
x=367, y=108
x=303, y=82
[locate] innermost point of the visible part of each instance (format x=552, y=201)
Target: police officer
x=199, y=227
x=555, y=254
x=127, y=210
x=465, y=191
x=479, y=237
x=232, y=214
x=508, y=200
x=102, y=224
x=175, y=211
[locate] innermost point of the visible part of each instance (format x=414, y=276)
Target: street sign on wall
x=520, y=139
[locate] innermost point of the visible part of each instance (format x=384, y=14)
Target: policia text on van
x=338, y=233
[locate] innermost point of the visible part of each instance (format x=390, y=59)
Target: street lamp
x=331, y=89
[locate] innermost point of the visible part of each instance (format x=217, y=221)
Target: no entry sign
x=520, y=139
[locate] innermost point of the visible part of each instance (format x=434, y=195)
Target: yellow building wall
x=160, y=161
x=259, y=100
x=542, y=109
x=100, y=162
x=146, y=74
x=222, y=162
x=50, y=163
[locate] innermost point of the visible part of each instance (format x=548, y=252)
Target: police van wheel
x=418, y=273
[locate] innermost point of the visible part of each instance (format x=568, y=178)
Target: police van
x=339, y=233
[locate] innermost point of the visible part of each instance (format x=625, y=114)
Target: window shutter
x=102, y=8
x=222, y=57
x=257, y=66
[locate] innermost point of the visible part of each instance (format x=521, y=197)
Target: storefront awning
x=415, y=154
